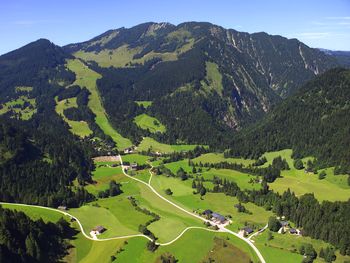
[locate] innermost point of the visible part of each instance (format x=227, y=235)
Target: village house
x=62, y=207
x=245, y=231
x=217, y=218
x=133, y=166
x=129, y=150
x=98, y=230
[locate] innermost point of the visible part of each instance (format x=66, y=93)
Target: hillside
x=315, y=121
x=225, y=79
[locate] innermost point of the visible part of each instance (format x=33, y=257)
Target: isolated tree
x=168, y=191
x=322, y=175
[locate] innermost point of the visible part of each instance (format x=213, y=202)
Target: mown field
x=17, y=106
x=86, y=77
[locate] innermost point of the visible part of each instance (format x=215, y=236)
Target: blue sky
x=318, y=23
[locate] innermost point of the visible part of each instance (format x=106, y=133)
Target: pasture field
x=213, y=77
x=80, y=128
x=193, y=246
x=85, y=77
x=243, y=180
x=136, y=158
x=219, y=157
x=147, y=122
x=150, y=143
x=287, y=245
x=102, y=176
x=175, y=166
x=144, y=103
x=36, y=213
x=123, y=56
x=17, y=105
x=218, y=202
x=301, y=183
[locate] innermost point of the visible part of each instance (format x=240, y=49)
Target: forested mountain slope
x=199, y=76
x=39, y=156
x=315, y=121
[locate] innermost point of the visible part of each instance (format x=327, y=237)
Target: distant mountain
x=343, y=57
x=228, y=78
x=314, y=122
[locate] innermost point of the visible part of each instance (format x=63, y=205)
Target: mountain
x=35, y=142
x=314, y=121
x=343, y=57
x=199, y=76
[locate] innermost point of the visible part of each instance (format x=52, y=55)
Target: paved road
x=257, y=233
x=222, y=229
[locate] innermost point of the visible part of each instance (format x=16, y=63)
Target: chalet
x=284, y=223
x=293, y=231
x=98, y=230
x=245, y=231
x=133, y=166
x=62, y=207
x=217, y=218
x=207, y=212
x=129, y=149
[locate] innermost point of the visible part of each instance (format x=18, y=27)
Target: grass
x=23, y=89
x=193, y=246
x=183, y=196
x=243, y=180
x=135, y=158
x=175, y=166
x=102, y=176
x=223, y=252
x=17, y=105
x=301, y=183
x=147, y=122
x=80, y=128
x=86, y=77
x=219, y=157
x=144, y=103
x=36, y=213
x=123, y=56
x=213, y=77
x=149, y=143
x=286, y=244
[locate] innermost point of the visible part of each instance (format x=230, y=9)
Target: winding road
x=221, y=228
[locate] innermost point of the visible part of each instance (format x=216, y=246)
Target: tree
x=152, y=246
x=298, y=164
x=274, y=224
x=168, y=191
x=194, y=186
x=322, y=175
x=167, y=258
x=269, y=236
x=202, y=191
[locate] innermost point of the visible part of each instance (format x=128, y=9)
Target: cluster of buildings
x=285, y=228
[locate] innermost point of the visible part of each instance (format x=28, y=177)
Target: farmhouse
x=62, y=207
x=133, y=166
x=98, y=230
x=129, y=149
x=207, y=212
x=245, y=231
x=217, y=218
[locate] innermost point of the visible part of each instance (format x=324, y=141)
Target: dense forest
x=40, y=156
x=25, y=240
x=313, y=122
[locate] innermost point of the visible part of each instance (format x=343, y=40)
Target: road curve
x=223, y=229
x=79, y=223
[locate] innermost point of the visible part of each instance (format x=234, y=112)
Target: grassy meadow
x=147, y=122
x=149, y=143
x=85, y=77
x=80, y=128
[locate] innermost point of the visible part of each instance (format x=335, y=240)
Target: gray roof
x=248, y=229
x=99, y=229
x=218, y=216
